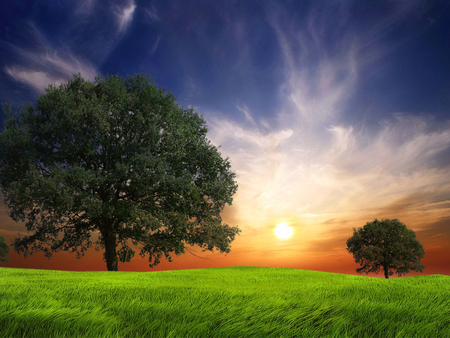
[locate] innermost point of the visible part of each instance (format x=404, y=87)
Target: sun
x=283, y=231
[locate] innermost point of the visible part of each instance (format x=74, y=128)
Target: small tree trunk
x=110, y=252
x=386, y=272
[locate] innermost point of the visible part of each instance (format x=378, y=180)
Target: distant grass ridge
x=238, y=301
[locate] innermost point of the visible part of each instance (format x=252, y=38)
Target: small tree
x=387, y=244
x=116, y=156
x=4, y=250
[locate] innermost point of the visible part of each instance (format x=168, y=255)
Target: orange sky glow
x=318, y=243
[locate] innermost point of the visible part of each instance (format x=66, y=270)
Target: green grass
x=221, y=302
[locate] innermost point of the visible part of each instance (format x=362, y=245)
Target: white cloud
x=86, y=7
x=152, y=13
x=247, y=114
x=38, y=80
x=44, y=66
x=51, y=69
x=125, y=15
x=317, y=84
x=310, y=161
x=343, y=176
x=155, y=46
x=403, y=145
x=343, y=139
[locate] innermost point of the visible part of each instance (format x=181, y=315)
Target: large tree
x=4, y=250
x=386, y=244
x=119, y=157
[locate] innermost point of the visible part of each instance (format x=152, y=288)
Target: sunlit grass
x=221, y=302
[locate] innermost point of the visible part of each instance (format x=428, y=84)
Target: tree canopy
x=386, y=244
x=119, y=157
x=4, y=250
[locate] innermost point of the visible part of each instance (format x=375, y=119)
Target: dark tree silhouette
x=4, y=250
x=386, y=244
x=119, y=157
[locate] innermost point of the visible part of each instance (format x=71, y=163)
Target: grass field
x=221, y=302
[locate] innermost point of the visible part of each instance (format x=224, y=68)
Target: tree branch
x=188, y=250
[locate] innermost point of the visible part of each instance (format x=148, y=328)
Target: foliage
x=119, y=157
x=387, y=244
x=4, y=250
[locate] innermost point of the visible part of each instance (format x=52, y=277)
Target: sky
x=332, y=113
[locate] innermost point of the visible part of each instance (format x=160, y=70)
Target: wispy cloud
x=247, y=114
x=43, y=65
x=311, y=164
x=38, y=80
x=86, y=7
x=125, y=15
x=152, y=13
x=155, y=46
x=317, y=82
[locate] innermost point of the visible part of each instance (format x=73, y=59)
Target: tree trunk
x=110, y=251
x=386, y=272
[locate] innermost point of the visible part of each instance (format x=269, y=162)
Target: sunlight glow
x=283, y=231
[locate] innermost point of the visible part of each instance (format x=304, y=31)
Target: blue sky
x=332, y=113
